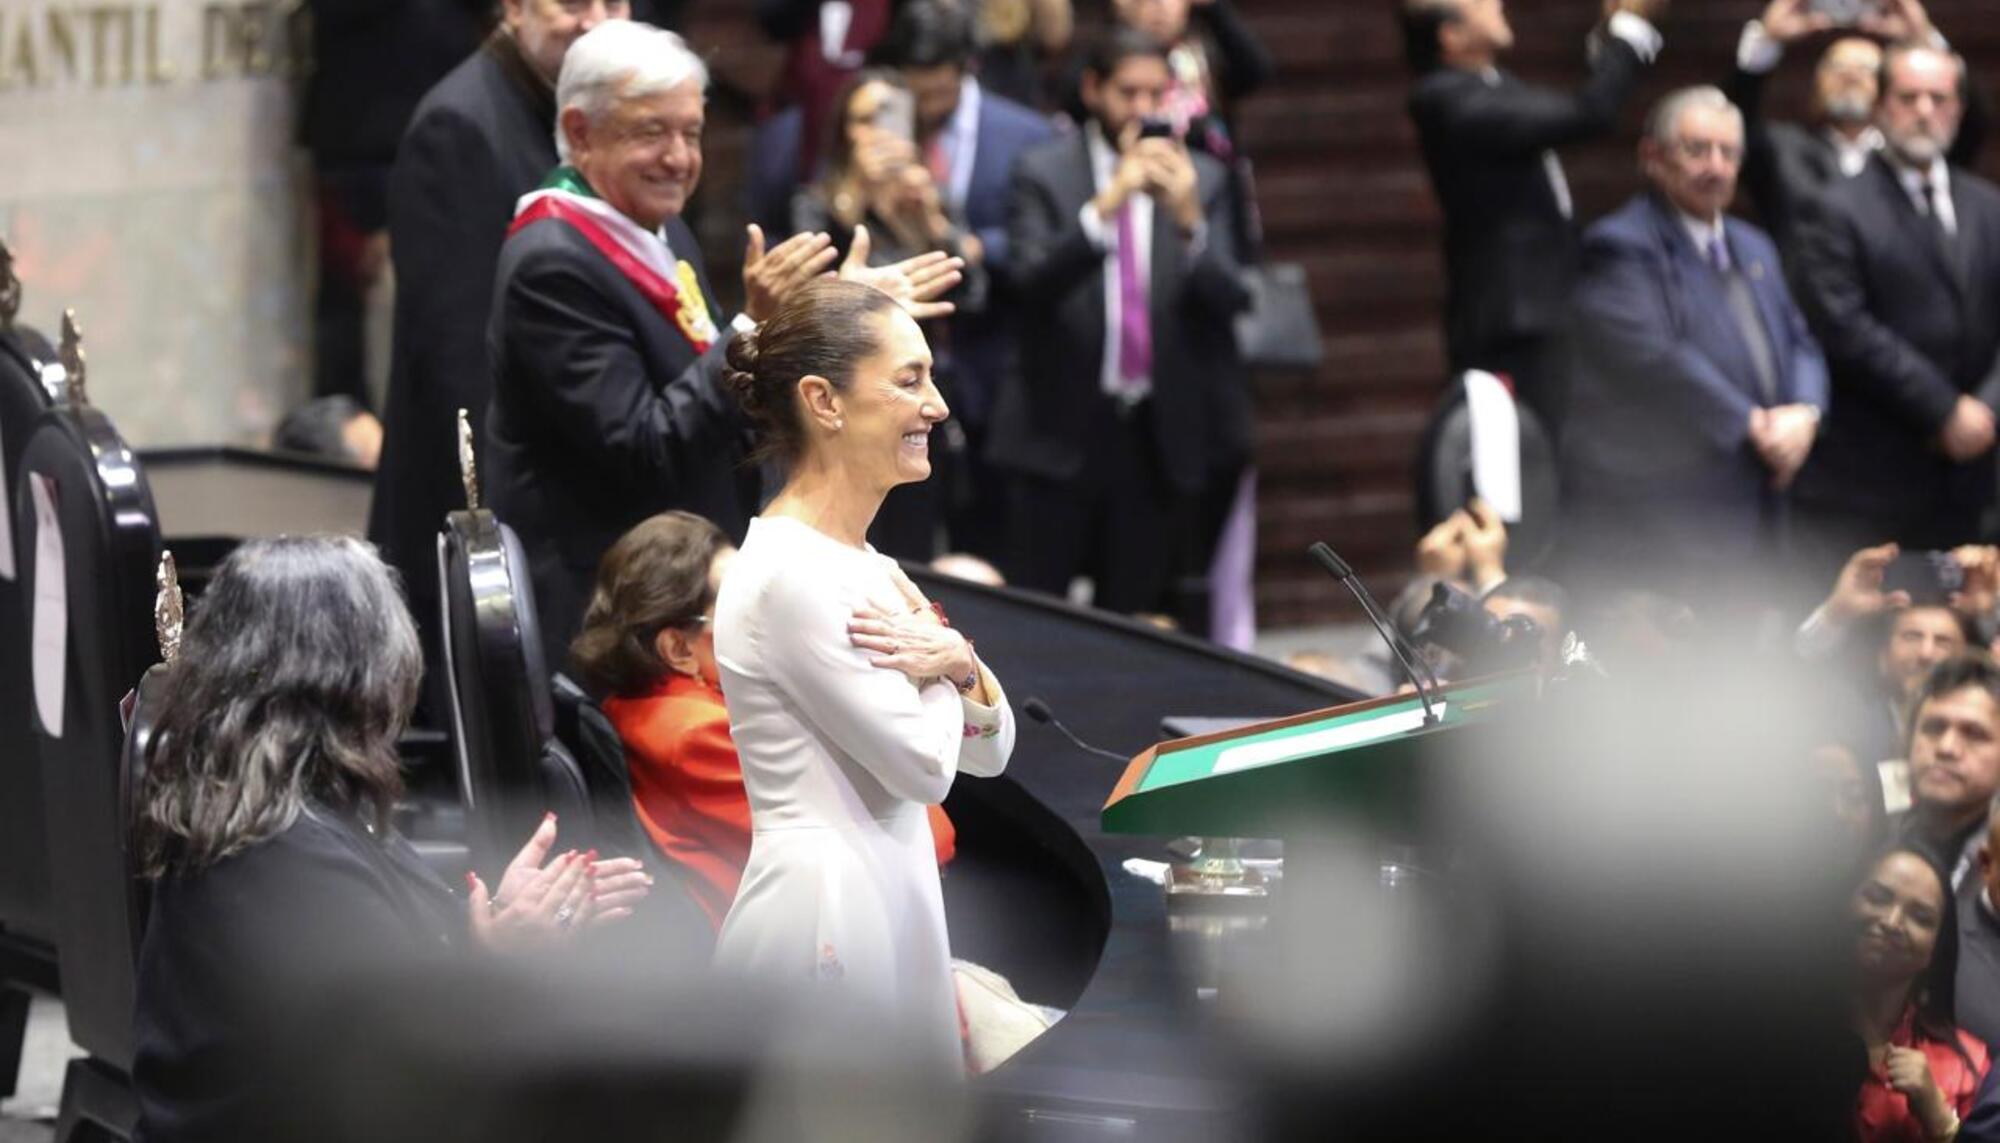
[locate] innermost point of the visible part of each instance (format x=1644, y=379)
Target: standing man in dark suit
x=1510, y=242
x=607, y=352
x=1698, y=388
x=969, y=138
x=1787, y=167
x=481, y=139
x=1123, y=259
x=1900, y=275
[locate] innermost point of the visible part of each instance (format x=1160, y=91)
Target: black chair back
x=27, y=908
x=86, y=521
x=1444, y=477
x=511, y=766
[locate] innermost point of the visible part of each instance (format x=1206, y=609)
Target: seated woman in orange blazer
x=647, y=646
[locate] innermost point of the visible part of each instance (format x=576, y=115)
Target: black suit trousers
x=1118, y=521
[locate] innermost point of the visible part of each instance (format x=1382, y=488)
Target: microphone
x=1039, y=711
x=1425, y=681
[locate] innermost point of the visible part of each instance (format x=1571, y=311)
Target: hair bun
x=741, y=357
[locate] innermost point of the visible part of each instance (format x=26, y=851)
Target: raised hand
x=1858, y=592
x=769, y=276
x=1789, y=20
x=916, y=283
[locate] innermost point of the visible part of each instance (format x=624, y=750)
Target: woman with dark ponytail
x=852, y=701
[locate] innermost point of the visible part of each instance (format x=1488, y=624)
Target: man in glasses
x=1698, y=389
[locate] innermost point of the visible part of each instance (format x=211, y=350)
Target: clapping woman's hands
x=540, y=904
x=915, y=640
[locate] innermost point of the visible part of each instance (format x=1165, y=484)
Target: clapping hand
x=769, y=276
x=916, y=283
x=542, y=904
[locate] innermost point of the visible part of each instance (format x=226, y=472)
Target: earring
x=838, y=424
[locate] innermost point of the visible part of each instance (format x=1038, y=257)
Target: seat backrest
x=86, y=521
x=502, y=714
x=27, y=907
x=600, y=757
x=1444, y=477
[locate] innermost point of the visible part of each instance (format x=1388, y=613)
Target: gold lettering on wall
x=129, y=42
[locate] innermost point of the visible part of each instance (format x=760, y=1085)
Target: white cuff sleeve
x=741, y=323
x=1643, y=37
x=1093, y=227
x=1756, y=52
x=1818, y=637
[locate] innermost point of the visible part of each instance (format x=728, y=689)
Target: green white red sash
x=670, y=284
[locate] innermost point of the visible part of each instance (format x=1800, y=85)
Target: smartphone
x=897, y=114
x=1841, y=12
x=1930, y=577
x=1156, y=127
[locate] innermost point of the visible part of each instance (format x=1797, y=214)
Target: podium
x=1369, y=760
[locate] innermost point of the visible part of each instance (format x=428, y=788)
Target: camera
x=1928, y=577
x=1455, y=621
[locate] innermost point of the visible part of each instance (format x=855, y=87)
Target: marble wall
x=148, y=178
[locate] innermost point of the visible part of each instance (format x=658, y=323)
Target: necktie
x=1749, y=322
x=939, y=162
x=1135, y=324
x=1931, y=211
x=1718, y=255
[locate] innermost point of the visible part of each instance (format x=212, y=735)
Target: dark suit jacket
x=1059, y=275
x=602, y=415
x=1905, y=334
x=1510, y=255
x=983, y=342
x=481, y=139
x=234, y=951
x=1665, y=382
x=1787, y=167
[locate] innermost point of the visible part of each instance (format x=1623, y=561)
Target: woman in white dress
x=853, y=704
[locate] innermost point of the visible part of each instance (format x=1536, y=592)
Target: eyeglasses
x=1698, y=149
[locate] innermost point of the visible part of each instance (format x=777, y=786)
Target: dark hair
x=928, y=33
x=818, y=331
x=654, y=577
x=839, y=160
x=316, y=428
x=296, y=676
x=1936, y=995
x=1971, y=669
x=1422, y=20
x=1116, y=45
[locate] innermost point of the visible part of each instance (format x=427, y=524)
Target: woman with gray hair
x=264, y=823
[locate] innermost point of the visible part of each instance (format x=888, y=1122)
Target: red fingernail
x=591, y=856
x=470, y=880
x=548, y=817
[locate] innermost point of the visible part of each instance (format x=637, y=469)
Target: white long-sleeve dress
x=839, y=760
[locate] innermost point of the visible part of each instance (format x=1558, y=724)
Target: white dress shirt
x=1103, y=234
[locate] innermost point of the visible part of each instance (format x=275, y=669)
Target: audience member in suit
x=1489, y=141
x=1787, y=167
x=1979, y=942
x=372, y=62
x=1124, y=264
x=969, y=138
x=1697, y=387
x=1900, y=276
x=648, y=642
x=264, y=824
x=481, y=139
x=875, y=182
x=607, y=351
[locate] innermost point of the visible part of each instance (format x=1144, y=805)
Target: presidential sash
x=669, y=283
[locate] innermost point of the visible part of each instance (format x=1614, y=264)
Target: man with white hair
x=1899, y=272
x=608, y=403
x=1698, y=388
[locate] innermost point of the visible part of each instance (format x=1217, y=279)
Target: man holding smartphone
x=1125, y=269
x=1489, y=142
